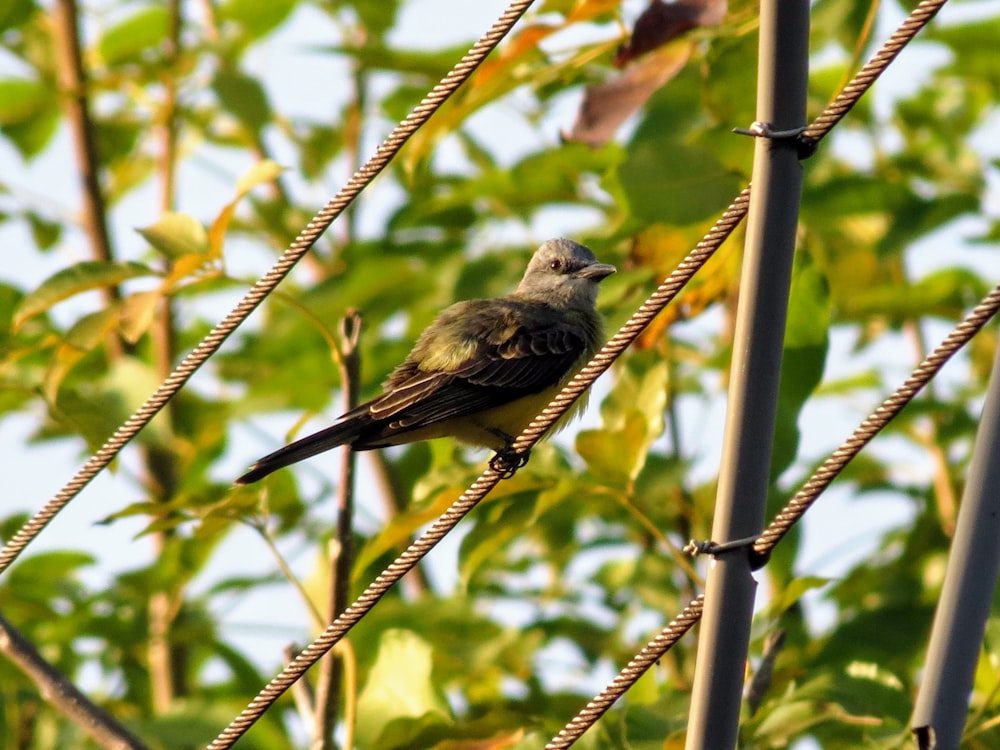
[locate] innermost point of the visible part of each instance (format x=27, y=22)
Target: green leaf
x=175, y=235
x=244, y=98
x=399, y=686
x=22, y=100
x=134, y=36
x=256, y=18
x=13, y=13
x=670, y=182
x=87, y=334
x=615, y=456
x=632, y=418
x=377, y=16
x=793, y=592
x=55, y=565
x=45, y=233
x=137, y=313
x=29, y=114
x=81, y=277
x=32, y=136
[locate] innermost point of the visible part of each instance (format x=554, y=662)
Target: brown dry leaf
x=661, y=22
x=606, y=106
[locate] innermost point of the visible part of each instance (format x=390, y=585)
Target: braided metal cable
x=361, y=606
x=864, y=78
x=307, y=237
x=631, y=672
x=876, y=421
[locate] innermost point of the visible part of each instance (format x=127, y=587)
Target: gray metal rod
x=724, y=633
x=969, y=586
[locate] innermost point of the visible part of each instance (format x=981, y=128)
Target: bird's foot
x=506, y=462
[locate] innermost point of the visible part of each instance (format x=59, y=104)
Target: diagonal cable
x=864, y=78
x=299, y=246
x=875, y=422
x=627, y=677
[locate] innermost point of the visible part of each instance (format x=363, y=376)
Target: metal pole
x=969, y=585
x=760, y=325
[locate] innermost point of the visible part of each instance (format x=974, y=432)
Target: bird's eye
x=556, y=265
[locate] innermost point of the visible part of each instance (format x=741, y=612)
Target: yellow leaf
x=85, y=335
x=176, y=234
x=136, y=314
x=261, y=172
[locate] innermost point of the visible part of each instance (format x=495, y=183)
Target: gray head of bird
x=563, y=274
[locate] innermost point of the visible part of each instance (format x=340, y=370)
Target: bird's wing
x=529, y=360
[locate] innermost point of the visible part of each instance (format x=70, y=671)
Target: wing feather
x=501, y=362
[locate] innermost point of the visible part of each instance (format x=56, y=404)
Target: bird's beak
x=596, y=271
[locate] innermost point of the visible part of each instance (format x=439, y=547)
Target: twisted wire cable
x=834, y=112
x=350, y=616
x=631, y=672
x=876, y=421
x=259, y=291
x=790, y=514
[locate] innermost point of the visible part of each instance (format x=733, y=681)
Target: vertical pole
x=724, y=633
x=969, y=586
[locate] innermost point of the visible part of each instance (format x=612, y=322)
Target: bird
x=482, y=370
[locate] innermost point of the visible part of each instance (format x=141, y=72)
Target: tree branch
x=73, y=85
x=62, y=694
x=328, y=687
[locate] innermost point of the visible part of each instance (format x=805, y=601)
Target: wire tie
x=708, y=547
x=806, y=147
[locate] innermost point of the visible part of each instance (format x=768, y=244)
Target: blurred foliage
x=567, y=568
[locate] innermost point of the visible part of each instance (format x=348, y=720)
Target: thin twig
x=74, y=88
x=328, y=683
x=63, y=695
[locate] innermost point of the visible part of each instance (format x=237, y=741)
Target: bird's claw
x=506, y=462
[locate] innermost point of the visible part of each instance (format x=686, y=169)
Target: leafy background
x=161, y=590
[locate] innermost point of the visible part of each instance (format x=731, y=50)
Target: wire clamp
x=757, y=559
x=806, y=147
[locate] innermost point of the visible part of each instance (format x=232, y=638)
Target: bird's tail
x=339, y=434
